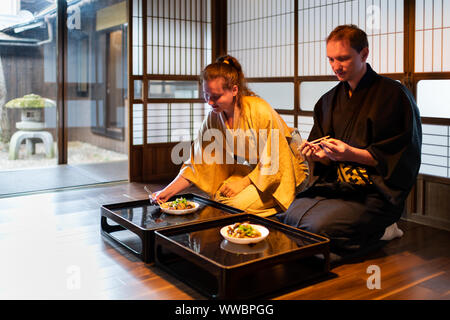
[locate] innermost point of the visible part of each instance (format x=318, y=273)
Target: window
x=260, y=36
x=432, y=79
x=432, y=53
x=286, y=66
x=436, y=150
x=82, y=117
x=173, y=89
x=279, y=95
x=171, y=45
x=173, y=122
x=108, y=49
x=28, y=51
x=382, y=20
x=433, y=98
x=311, y=91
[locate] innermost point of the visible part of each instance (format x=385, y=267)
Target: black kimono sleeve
x=396, y=143
x=322, y=116
x=321, y=128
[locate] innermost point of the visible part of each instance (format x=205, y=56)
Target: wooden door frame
x=61, y=81
x=104, y=131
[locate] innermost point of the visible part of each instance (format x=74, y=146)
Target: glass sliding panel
x=433, y=98
x=311, y=91
x=138, y=89
x=97, y=81
x=28, y=88
x=173, y=89
x=280, y=95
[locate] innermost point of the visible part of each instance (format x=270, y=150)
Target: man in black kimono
x=362, y=175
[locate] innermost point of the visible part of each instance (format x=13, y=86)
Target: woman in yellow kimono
x=242, y=156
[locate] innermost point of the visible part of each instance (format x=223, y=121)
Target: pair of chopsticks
x=158, y=201
x=317, y=141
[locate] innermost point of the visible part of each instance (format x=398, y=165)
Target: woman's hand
x=232, y=188
x=161, y=196
x=176, y=186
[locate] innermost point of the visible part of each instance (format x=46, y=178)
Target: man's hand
x=337, y=150
x=312, y=152
x=232, y=188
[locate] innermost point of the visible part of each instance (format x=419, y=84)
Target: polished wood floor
x=52, y=249
x=17, y=182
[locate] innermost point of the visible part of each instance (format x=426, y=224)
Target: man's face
x=346, y=62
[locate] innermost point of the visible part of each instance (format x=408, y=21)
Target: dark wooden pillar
x=409, y=44
x=219, y=28
x=61, y=102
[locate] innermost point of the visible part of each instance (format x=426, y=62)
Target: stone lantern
x=31, y=125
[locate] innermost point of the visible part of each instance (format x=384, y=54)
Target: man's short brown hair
x=350, y=32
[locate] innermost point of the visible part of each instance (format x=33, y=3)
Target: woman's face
x=220, y=99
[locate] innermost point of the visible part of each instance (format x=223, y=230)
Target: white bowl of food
x=179, y=206
x=244, y=233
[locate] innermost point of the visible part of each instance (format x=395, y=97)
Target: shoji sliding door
x=171, y=44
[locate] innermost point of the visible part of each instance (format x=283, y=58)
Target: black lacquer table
x=198, y=255
x=142, y=218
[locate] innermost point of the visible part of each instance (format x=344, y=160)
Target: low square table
x=143, y=218
x=198, y=255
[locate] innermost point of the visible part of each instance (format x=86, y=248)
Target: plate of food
x=244, y=233
x=179, y=206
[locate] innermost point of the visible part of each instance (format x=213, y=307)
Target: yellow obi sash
x=352, y=174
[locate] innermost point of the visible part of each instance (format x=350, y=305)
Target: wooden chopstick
x=157, y=201
x=320, y=139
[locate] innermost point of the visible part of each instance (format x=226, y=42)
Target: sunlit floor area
x=88, y=165
x=53, y=249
